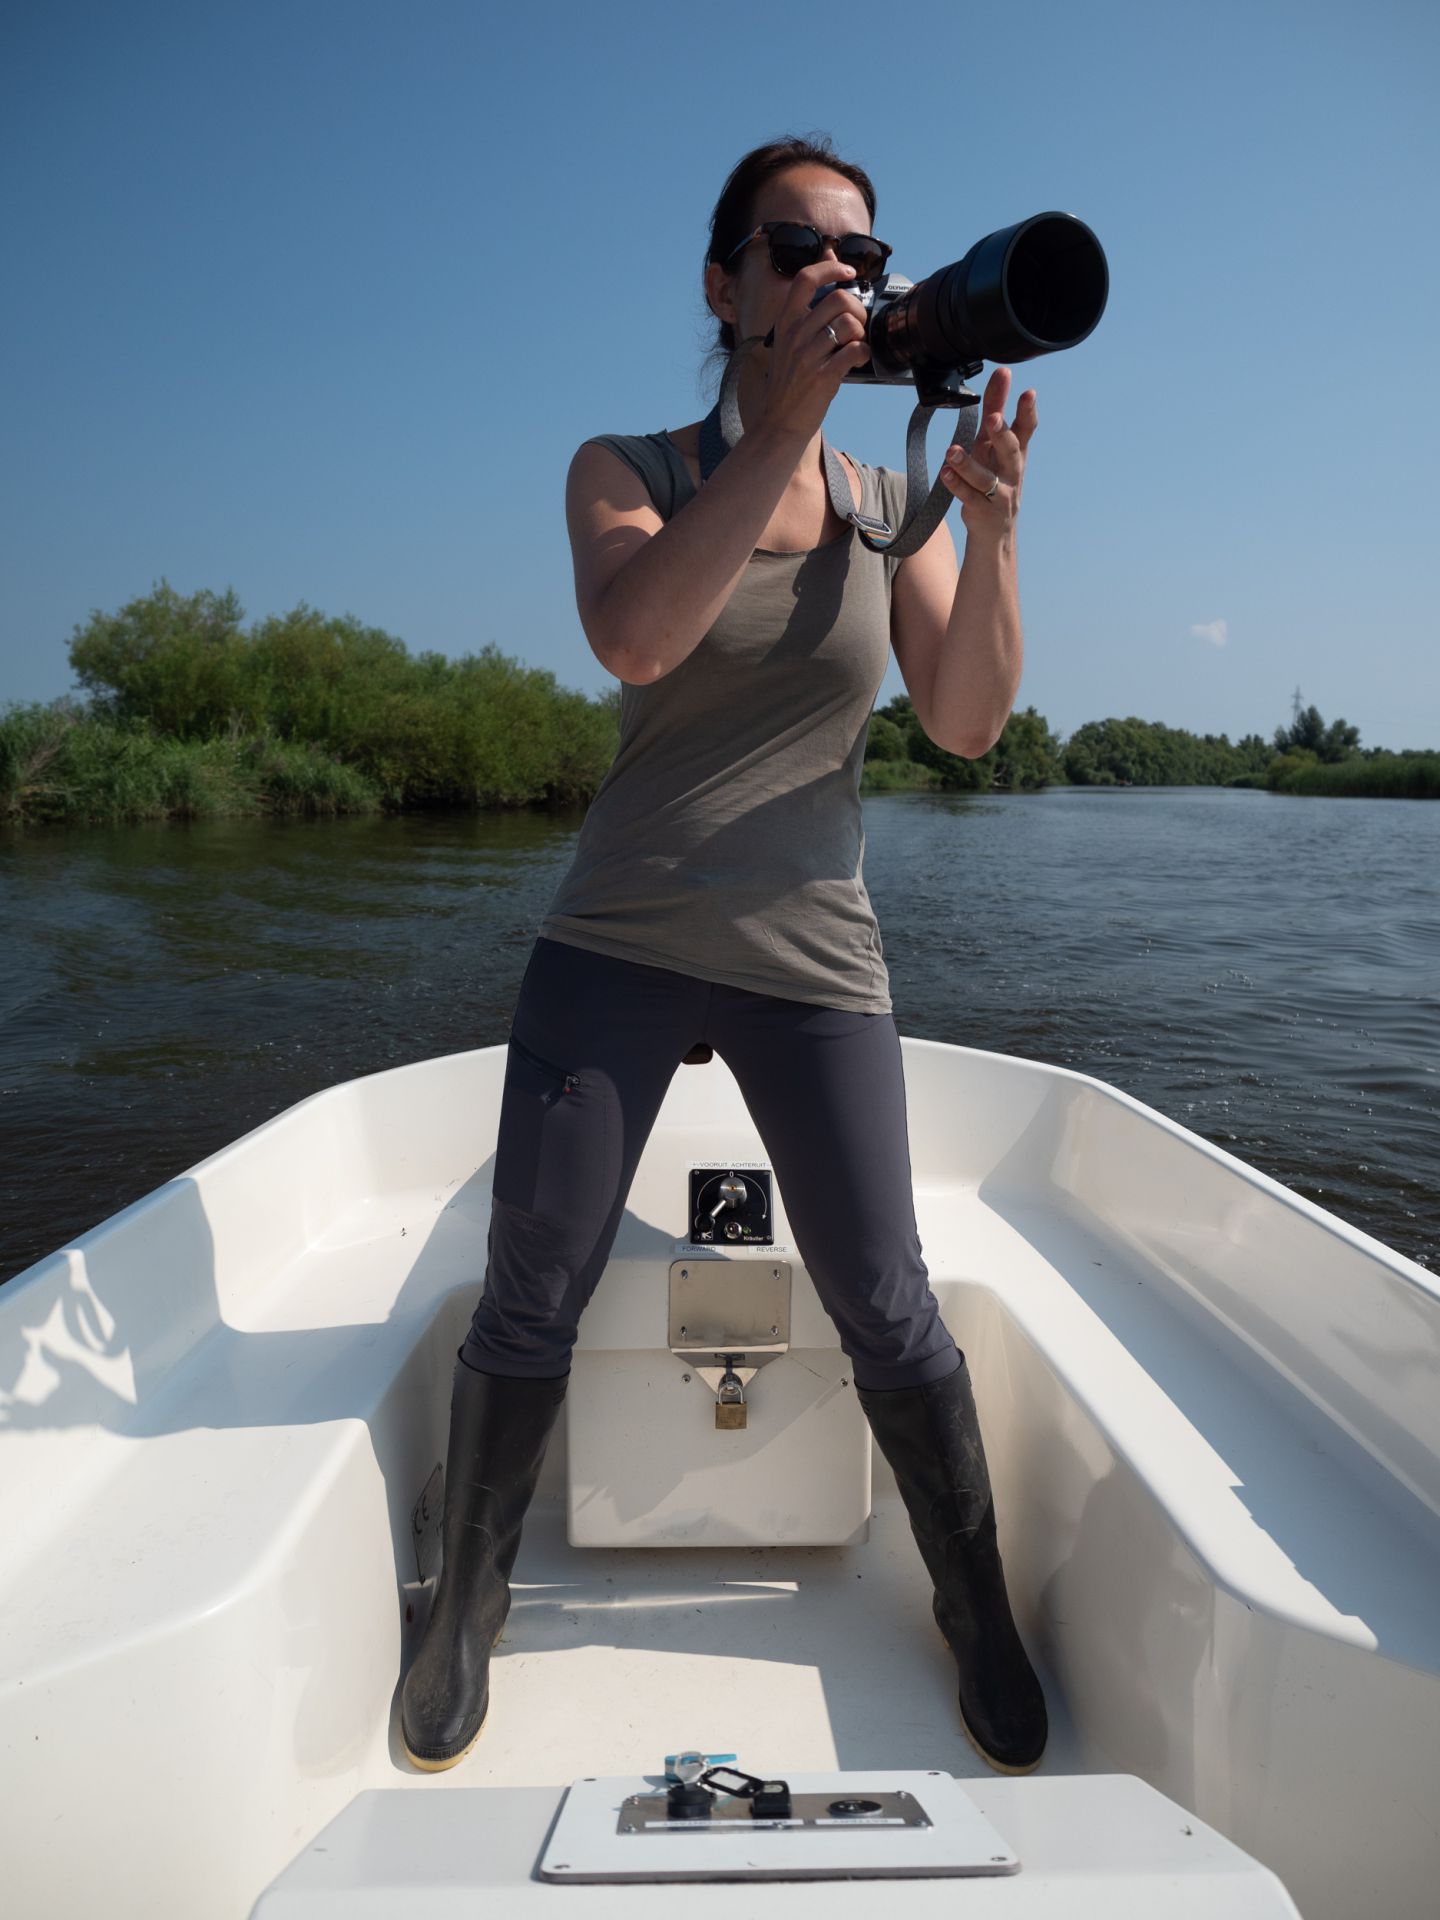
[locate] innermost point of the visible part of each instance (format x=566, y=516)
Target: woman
x=716, y=899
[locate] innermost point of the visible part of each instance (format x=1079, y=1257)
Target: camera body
x=876, y=296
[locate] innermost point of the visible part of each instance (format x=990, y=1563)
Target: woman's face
x=752, y=295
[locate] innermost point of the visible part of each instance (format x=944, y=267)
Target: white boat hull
x=1212, y=1413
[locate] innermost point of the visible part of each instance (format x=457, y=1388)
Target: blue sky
x=317, y=300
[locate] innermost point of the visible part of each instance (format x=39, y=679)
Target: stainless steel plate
x=609, y=1829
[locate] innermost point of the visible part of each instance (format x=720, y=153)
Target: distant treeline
x=190, y=716
x=1306, y=757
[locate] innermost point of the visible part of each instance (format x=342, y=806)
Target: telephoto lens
x=1033, y=288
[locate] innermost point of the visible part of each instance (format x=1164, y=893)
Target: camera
x=1032, y=288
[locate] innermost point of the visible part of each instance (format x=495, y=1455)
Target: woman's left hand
x=998, y=454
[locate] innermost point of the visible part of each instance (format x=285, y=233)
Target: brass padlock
x=730, y=1414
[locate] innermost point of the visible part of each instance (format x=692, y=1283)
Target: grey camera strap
x=925, y=505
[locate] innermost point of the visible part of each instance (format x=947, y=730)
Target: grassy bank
x=1374, y=776
x=186, y=715
x=59, y=766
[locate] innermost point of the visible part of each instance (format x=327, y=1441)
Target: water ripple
x=1267, y=974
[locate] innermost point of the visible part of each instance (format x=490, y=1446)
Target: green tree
x=1027, y=755
x=951, y=770
x=176, y=663
x=481, y=730
x=1309, y=732
x=1139, y=752
x=884, y=740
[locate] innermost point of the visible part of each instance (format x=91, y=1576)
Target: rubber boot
x=931, y=1437
x=499, y=1429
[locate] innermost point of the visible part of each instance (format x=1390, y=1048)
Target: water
x=1264, y=969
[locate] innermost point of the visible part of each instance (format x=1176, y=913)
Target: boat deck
x=1210, y=1411
x=788, y=1657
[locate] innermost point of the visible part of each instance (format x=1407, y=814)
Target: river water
x=1264, y=969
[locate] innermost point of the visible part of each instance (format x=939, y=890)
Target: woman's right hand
x=806, y=365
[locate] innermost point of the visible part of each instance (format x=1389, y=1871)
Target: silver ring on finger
x=833, y=335
x=993, y=485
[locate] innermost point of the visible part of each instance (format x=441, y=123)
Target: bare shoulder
x=601, y=488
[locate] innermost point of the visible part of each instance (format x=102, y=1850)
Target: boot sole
x=439, y=1766
x=1000, y=1766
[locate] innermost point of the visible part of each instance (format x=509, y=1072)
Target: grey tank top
x=725, y=840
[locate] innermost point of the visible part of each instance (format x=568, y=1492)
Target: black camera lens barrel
x=1036, y=287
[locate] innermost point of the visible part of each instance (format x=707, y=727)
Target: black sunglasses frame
x=770, y=227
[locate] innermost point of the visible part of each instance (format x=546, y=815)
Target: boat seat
x=1277, y=1504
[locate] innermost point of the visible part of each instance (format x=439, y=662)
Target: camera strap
x=925, y=505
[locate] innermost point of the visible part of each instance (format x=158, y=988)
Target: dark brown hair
x=733, y=217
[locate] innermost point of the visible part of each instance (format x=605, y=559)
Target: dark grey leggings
x=826, y=1093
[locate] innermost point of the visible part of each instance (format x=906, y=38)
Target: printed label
x=683, y=1248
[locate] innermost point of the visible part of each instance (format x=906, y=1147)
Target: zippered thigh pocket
x=564, y=1082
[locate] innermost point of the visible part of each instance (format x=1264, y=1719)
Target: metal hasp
x=773, y=1805
x=727, y=1319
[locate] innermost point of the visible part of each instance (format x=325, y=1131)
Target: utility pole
x=1295, y=707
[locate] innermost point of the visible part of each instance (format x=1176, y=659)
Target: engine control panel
x=731, y=1205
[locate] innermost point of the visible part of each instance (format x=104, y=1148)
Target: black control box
x=731, y=1206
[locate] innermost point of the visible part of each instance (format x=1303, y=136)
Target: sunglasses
x=794, y=245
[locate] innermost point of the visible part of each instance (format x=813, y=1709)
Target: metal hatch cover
x=729, y=1306
x=927, y=1826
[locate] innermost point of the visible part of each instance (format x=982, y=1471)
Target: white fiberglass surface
x=220, y=1410
x=785, y=1656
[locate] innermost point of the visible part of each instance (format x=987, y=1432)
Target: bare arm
x=957, y=635
x=648, y=590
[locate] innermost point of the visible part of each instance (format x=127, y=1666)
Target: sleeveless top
x=725, y=840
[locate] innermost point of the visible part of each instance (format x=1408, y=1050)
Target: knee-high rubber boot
x=931, y=1437
x=499, y=1429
